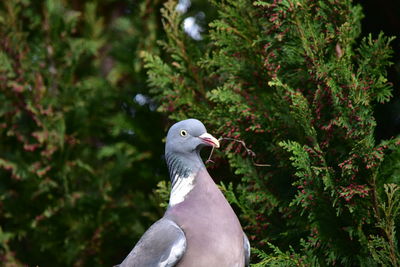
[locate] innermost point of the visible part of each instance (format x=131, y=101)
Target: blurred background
x=81, y=135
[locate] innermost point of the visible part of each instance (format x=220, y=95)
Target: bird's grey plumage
x=163, y=244
x=246, y=245
x=199, y=227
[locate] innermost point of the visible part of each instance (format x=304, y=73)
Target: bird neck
x=183, y=170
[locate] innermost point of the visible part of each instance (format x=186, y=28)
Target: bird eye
x=183, y=133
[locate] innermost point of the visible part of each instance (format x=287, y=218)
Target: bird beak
x=209, y=139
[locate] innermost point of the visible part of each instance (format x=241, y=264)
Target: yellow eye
x=183, y=133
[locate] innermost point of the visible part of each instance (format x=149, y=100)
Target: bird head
x=188, y=137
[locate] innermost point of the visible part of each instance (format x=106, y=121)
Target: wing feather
x=162, y=245
x=246, y=244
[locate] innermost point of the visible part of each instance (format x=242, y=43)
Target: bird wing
x=246, y=246
x=162, y=245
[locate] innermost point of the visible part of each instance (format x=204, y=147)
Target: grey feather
x=246, y=245
x=163, y=244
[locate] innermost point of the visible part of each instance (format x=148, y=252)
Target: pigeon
x=199, y=227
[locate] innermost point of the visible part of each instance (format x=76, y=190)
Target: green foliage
x=295, y=82
x=278, y=257
x=384, y=249
x=76, y=154
x=162, y=192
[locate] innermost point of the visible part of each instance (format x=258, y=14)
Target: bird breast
x=210, y=225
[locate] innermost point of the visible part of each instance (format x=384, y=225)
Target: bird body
x=199, y=228
x=213, y=232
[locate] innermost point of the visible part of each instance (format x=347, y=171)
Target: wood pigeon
x=199, y=228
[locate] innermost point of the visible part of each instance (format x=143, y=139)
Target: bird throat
x=182, y=172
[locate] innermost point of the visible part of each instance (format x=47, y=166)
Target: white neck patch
x=181, y=189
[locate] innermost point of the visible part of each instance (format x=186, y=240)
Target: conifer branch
x=248, y=151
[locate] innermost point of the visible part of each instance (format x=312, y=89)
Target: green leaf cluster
x=297, y=83
x=77, y=153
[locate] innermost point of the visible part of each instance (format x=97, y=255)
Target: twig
x=248, y=151
x=209, y=157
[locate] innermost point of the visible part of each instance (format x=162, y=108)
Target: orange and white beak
x=209, y=139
